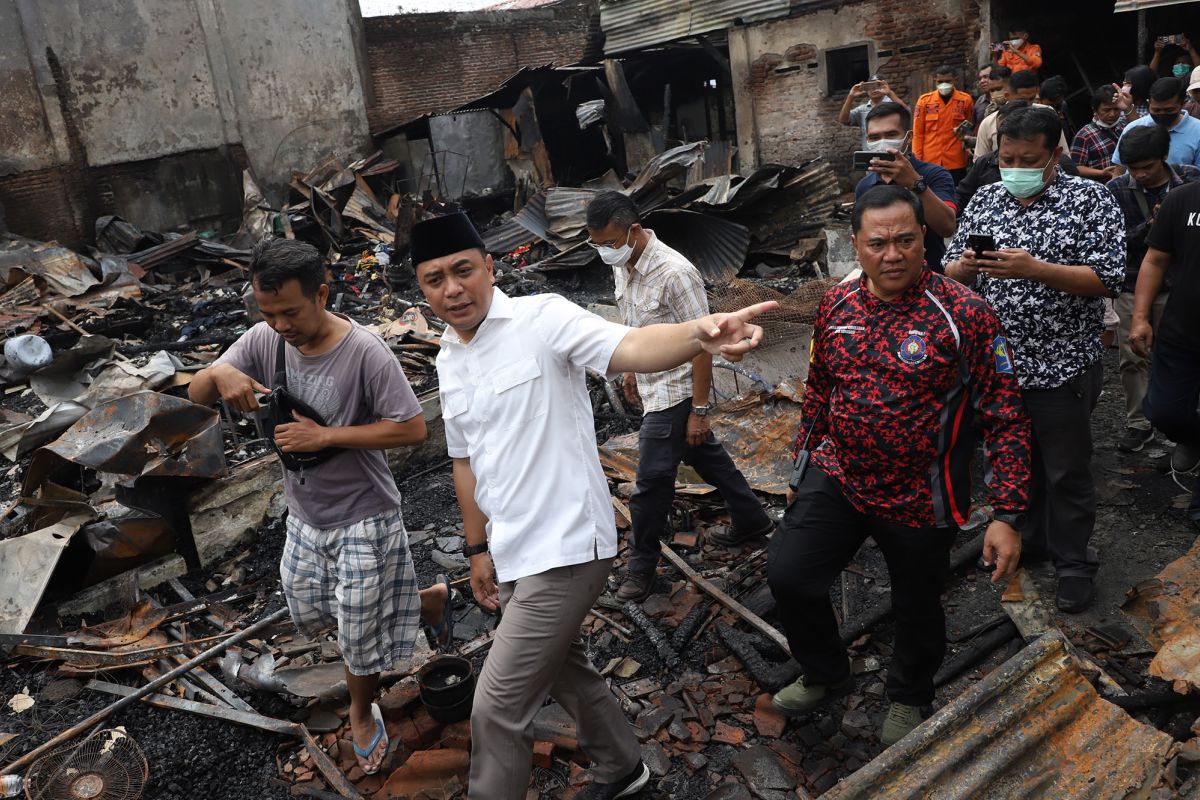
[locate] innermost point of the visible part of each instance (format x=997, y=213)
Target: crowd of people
x=997, y=245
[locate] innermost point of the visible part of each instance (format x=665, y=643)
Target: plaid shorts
x=358, y=578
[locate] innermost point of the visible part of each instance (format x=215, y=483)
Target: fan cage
x=108, y=765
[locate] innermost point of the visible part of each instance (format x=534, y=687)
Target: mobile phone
x=862, y=158
x=997, y=47
x=870, y=86
x=979, y=242
x=965, y=127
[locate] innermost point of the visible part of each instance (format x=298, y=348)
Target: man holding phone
x=861, y=99
x=1060, y=249
x=889, y=133
x=1017, y=52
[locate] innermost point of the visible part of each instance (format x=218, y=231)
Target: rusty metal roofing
x=634, y=24
x=1138, y=5
x=1163, y=609
x=1034, y=727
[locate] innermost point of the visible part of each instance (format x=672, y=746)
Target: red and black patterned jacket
x=905, y=386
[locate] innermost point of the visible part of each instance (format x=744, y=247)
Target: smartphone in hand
x=862, y=158
x=980, y=242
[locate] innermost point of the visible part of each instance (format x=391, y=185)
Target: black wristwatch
x=474, y=549
x=1015, y=520
x=920, y=186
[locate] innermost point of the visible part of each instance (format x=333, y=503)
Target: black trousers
x=662, y=445
x=1171, y=400
x=819, y=535
x=1062, y=492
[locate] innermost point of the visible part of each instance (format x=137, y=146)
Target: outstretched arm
x=656, y=348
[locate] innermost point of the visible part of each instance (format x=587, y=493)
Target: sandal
x=363, y=754
x=433, y=635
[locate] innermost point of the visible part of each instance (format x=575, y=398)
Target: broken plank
x=111, y=659
x=755, y=621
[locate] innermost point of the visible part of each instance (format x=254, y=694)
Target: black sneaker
x=1184, y=459
x=1135, y=439
x=628, y=786
x=1075, y=594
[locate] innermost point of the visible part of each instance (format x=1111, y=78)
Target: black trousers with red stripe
x=818, y=536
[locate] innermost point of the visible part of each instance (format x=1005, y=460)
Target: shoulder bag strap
x=280, y=365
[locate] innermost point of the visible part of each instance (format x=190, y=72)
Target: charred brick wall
x=781, y=75
x=427, y=63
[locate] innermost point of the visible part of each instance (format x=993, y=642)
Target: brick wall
x=795, y=119
x=425, y=63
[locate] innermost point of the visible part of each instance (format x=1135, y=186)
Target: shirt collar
x=645, y=262
x=502, y=308
x=903, y=301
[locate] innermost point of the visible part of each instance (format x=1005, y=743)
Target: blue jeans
x=1171, y=400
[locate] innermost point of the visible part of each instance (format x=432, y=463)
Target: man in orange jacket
x=1017, y=52
x=937, y=137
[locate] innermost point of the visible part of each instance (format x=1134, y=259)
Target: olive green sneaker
x=900, y=720
x=800, y=697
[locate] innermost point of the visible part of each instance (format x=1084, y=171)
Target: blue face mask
x=1181, y=70
x=1023, y=182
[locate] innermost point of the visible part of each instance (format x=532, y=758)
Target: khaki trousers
x=1135, y=370
x=537, y=652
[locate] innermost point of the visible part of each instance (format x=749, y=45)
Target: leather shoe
x=637, y=586
x=1075, y=594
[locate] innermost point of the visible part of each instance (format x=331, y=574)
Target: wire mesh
x=108, y=765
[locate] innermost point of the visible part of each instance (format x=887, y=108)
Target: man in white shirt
x=536, y=510
x=655, y=283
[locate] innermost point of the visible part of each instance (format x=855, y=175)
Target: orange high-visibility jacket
x=1016, y=63
x=934, y=121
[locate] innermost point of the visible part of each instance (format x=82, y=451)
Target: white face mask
x=615, y=256
x=1101, y=123
x=1016, y=42
x=883, y=145
x=945, y=89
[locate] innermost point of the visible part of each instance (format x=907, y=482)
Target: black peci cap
x=443, y=236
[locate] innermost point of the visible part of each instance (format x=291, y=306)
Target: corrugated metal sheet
x=634, y=24
x=1163, y=609
x=716, y=246
x=1138, y=5
x=1032, y=728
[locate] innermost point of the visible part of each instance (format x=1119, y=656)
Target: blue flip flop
x=432, y=634
x=380, y=734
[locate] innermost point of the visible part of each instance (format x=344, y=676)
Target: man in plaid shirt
x=1096, y=143
x=656, y=284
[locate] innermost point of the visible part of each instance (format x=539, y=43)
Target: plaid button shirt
x=663, y=286
x=1095, y=146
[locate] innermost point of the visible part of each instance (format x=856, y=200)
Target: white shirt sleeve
x=579, y=336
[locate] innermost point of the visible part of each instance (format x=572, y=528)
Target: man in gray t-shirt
x=346, y=561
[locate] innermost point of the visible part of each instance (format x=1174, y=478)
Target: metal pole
x=153, y=686
x=1143, y=36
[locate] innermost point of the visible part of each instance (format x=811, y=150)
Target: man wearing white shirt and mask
x=537, y=514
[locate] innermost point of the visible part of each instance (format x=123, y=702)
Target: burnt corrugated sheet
x=1032, y=728
x=634, y=24
x=1164, y=610
x=716, y=246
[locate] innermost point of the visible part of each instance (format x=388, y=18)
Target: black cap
x=443, y=236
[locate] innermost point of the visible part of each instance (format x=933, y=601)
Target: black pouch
x=280, y=406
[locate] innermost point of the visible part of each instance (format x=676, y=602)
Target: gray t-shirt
x=358, y=382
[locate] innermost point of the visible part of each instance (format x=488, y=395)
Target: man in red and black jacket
x=906, y=367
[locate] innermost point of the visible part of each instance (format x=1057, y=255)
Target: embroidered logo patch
x=912, y=349
x=1004, y=364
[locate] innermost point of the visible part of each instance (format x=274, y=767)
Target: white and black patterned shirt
x=1054, y=335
